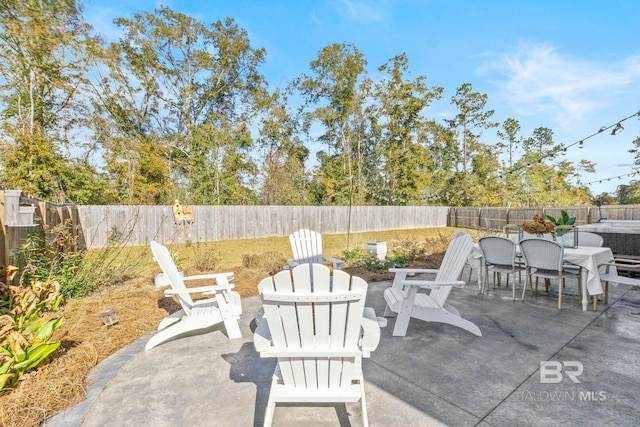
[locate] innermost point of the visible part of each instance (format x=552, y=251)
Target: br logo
x=551, y=371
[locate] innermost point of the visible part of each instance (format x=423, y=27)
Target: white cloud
x=537, y=79
x=363, y=11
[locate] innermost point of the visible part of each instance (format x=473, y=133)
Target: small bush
x=355, y=256
x=270, y=262
x=409, y=250
x=372, y=263
x=205, y=259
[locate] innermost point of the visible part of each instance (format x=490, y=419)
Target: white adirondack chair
x=224, y=305
x=306, y=246
x=319, y=332
x=404, y=299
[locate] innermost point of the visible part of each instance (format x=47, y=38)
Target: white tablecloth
x=589, y=258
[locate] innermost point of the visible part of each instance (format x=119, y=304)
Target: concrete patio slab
x=436, y=375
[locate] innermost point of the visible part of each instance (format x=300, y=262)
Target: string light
x=600, y=181
x=617, y=127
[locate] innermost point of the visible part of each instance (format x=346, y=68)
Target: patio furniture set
x=315, y=321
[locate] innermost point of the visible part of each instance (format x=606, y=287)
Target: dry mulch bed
x=86, y=341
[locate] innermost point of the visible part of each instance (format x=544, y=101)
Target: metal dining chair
x=544, y=259
x=586, y=238
x=499, y=255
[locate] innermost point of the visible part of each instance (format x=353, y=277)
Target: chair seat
x=553, y=274
x=285, y=393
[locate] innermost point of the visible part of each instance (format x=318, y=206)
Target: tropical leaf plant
x=563, y=219
x=25, y=335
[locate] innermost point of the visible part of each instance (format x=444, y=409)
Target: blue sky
x=572, y=66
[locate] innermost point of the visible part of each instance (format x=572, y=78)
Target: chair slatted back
x=542, y=254
x=306, y=246
x=453, y=262
x=164, y=259
x=318, y=323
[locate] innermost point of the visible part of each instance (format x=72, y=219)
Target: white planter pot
x=161, y=280
x=379, y=249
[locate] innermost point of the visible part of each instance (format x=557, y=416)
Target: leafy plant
x=563, y=219
x=25, y=337
x=355, y=256
x=372, y=263
x=408, y=250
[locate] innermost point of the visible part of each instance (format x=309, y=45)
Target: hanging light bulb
x=618, y=128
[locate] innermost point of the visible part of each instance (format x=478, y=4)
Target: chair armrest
x=222, y=280
x=218, y=277
x=337, y=263
x=207, y=290
x=430, y=284
x=370, y=332
x=622, y=262
x=412, y=271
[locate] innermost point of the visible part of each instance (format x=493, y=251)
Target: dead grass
x=61, y=383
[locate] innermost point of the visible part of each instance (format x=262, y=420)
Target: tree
x=510, y=140
x=471, y=119
x=285, y=179
x=401, y=162
x=629, y=194
x=182, y=94
x=43, y=60
x=336, y=100
x=540, y=144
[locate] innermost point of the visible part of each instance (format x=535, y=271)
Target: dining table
x=587, y=257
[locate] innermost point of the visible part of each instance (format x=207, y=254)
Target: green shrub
x=409, y=250
x=372, y=263
x=355, y=256
x=79, y=272
x=25, y=337
x=39, y=261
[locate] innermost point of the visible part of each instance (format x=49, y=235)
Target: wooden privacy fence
x=97, y=226
x=137, y=225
